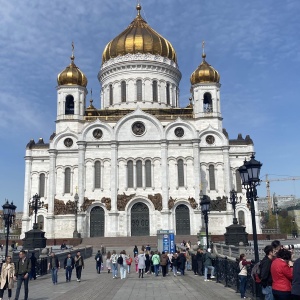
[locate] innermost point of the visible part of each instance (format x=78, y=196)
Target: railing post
x=226, y=271
x=217, y=269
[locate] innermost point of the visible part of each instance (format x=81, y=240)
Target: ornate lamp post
x=205, y=207
x=249, y=173
x=76, y=200
x=9, y=213
x=234, y=200
x=35, y=204
x=276, y=211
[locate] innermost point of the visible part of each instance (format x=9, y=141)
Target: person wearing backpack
x=99, y=261
x=243, y=274
x=122, y=263
x=207, y=259
x=265, y=273
x=114, y=262
x=156, y=260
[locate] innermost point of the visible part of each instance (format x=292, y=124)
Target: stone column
x=227, y=175
x=197, y=174
x=164, y=174
x=144, y=175
x=27, y=195
x=81, y=169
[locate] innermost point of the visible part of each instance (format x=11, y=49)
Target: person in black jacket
x=296, y=280
x=199, y=259
x=265, y=272
x=194, y=264
x=53, y=266
x=99, y=261
x=182, y=261
x=69, y=263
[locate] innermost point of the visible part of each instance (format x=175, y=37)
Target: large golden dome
x=139, y=37
x=72, y=75
x=205, y=73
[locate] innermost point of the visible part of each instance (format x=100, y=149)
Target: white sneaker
x=212, y=277
x=207, y=280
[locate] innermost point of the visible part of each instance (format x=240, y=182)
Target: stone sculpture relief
x=86, y=204
x=107, y=202
x=219, y=204
x=62, y=208
x=156, y=199
x=171, y=203
x=122, y=200
x=193, y=202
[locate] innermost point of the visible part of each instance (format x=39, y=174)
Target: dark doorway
x=97, y=222
x=139, y=219
x=182, y=215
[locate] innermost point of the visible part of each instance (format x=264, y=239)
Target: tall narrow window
x=139, y=90
x=212, y=182
x=180, y=172
x=154, y=91
x=69, y=105
x=67, y=180
x=241, y=217
x=207, y=103
x=123, y=91
x=97, y=174
x=130, y=174
x=111, y=95
x=148, y=173
x=40, y=220
x=139, y=174
x=168, y=93
x=238, y=181
x=42, y=185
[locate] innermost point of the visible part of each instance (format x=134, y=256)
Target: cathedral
x=139, y=163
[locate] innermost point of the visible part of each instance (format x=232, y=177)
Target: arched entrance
x=139, y=219
x=97, y=219
x=182, y=215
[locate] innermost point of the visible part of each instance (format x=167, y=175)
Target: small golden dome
x=72, y=75
x=139, y=37
x=205, y=73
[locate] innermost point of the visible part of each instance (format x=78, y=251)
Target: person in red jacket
x=282, y=275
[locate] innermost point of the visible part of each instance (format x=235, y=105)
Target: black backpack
x=120, y=260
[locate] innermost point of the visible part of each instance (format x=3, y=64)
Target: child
x=108, y=261
x=136, y=261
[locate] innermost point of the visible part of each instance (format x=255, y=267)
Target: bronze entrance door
x=139, y=219
x=97, y=219
x=182, y=215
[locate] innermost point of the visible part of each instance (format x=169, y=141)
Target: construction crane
x=267, y=181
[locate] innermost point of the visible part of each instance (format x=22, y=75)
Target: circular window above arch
x=138, y=128
x=179, y=132
x=68, y=142
x=97, y=133
x=210, y=139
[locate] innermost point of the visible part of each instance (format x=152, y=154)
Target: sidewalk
x=102, y=286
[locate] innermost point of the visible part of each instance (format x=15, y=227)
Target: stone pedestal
x=34, y=238
x=235, y=234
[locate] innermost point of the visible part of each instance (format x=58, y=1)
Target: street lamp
x=234, y=200
x=276, y=211
x=9, y=214
x=205, y=207
x=35, y=204
x=76, y=200
x=249, y=173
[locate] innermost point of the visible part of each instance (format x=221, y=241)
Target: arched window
x=212, y=182
x=168, y=93
x=97, y=174
x=111, y=95
x=154, y=91
x=241, y=217
x=207, y=103
x=180, y=172
x=42, y=185
x=148, y=173
x=238, y=181
x=139, y=90
x=40, y=220
x=130, y=174
x=123, y=91
x=69, y=105
x=67, y=180
x=139, y=174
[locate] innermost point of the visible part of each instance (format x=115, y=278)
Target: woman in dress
x=6, y=277
x=108, y=262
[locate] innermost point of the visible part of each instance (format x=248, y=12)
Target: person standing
x=7, y=277
x=147, y=263
x=182, y=261
x=207, y=258
x=129, y=262
x=114, y=262
x=53, y=266
x=243, y=274
x=199, y=259
x=79, y=265
x=155, y=261
x=33, y=265
x=136, y=262
x=265, y=273
x=174, y=263
x=135, y=251
x=108, y=261
x=122, y=262
x=99, y=261
x=69, y=263
x=296, y=280
x=22, y=270
x=163, y=262
x=141, y=263
x=188, y=259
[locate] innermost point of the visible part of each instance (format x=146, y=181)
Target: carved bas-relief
x=86, y=204
x=171, y=202
x=219, y=204
x=107, y=202
x=122, y=201
x=62, y=208
x=156, y=199
x=193, y=202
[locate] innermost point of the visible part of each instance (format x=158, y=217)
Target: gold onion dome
x=205, y=73
x=72, y=75
x=139, y=37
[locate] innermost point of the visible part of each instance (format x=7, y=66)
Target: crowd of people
x=279, y=276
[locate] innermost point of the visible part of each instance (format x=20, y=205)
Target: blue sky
x=255, y=46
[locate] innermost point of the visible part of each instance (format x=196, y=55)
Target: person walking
x=163, y=262
x=33, y=259
x=141, y=263
x=7, y=277
x=182, y=260
x=99, y=261
x=53, y=266
x=156, y=261
x=22, y=270
x=188, y=259
x=69, y=263
x=136, y=262
x=129, y=262
x=265, y=273
x=108, y=261
x=207, y=258
x=135, y=251
x=122, y=262
x=243, y=274
x=114, y=262
x=174, y=263
x=199, y=259
x=79, y=265
x=147, y=263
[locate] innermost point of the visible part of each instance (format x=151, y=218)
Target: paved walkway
x=102, y=286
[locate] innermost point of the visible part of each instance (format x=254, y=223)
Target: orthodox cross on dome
x=203, y=50
x=138, y=7
x=72, y=56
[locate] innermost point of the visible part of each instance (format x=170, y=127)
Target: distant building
x=282, y=202
x=16, y=227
